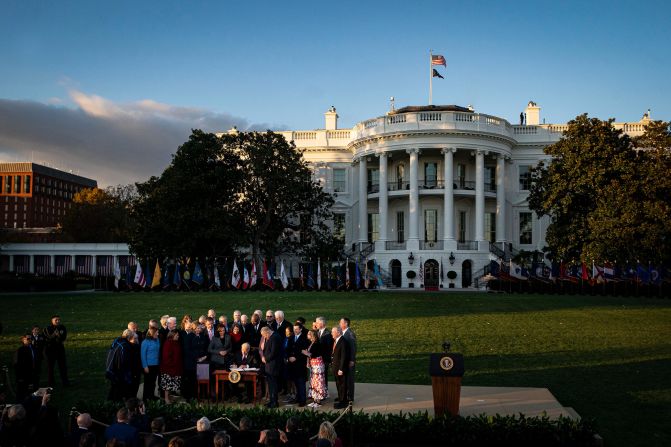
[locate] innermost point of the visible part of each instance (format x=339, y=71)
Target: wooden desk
x=221, y=375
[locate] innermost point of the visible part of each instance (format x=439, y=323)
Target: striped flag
x=437, y=59
x=139, y=276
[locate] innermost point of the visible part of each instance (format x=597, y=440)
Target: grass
x=607, y=357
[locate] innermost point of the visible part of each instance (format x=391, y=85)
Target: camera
x=42, y=391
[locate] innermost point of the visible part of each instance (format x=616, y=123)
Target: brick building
x=36, y=196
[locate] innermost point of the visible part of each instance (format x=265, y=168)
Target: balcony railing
x=398, y=185
x=467, y=185
x=430, y=245
x=393, y=245
x=467, y=245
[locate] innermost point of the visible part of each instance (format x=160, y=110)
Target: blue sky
x=165, y=66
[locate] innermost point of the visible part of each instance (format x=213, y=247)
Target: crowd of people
x=292, y=359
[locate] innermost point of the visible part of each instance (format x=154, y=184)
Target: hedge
x=363, y=429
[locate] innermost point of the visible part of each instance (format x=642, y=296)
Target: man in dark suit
x=272, y=359
x=246, y=327
x=340, y=365
x=24, y=366
x=55, y=335
x=350, y=336
x=255, y=331
x=83, y=426
x=281, y=323
x=122, y=430
x=326, y=342
x=297, y=362
x=156, y=439
x=246, y=358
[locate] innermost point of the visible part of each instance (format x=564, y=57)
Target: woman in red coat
x=171, y=365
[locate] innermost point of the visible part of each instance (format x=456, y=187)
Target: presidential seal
x=446, y=363
x=234, y=376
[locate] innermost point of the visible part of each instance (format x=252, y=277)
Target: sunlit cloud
x=99, y=138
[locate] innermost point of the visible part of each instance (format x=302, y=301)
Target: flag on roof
x=437, y=59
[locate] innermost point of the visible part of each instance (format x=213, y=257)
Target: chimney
x=533, y=113
x=331, y=119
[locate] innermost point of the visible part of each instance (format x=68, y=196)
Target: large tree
x=192, y=209
x=99, y=215
x=606, y=194
x=283, y=208
x=239, y=192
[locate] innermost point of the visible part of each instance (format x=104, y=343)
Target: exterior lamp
x=452, y=258
x=411, y=259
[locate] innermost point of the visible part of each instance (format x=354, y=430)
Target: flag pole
x=430, y=76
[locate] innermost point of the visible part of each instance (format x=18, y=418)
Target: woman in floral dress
x=318, y=391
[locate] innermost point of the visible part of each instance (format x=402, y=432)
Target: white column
x=73, y=262
x=448, y=205
x=31, y=265
x=479, y=196
x=94, y=265
x=52, y=264
x=11, y=263
x=500, y=199
x=383, y=203
x=363, y=200
x=413, y=223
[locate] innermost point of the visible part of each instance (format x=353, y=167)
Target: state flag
x=139, y=276
x=156, y=279
x=283, y=276
x=235, y=276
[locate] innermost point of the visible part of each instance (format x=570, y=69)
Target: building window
x=490, y=178
x=373, y=227
x=462, y=226
x=400, y=177
x=339, y=226
x=430, y=225
x=526, y=227
x=17, y=184
x=373, y=180
x=339, y=180
x=26, y=186
x=525, y=177
x=431, y=175
x=400, y=226
x=490, y=227
x=461, y=176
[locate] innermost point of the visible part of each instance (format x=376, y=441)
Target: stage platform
x=475, y=400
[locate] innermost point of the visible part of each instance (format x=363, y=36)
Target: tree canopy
x=607, y=194
x=232, y=193
x=99, y=215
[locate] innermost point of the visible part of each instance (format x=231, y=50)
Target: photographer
x=55, y=335
x=24, y=368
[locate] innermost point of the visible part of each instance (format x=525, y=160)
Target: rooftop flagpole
x=430, y=76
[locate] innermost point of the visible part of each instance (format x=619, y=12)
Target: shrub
x=380, y=429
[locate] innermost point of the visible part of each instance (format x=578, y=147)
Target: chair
x=203, y=379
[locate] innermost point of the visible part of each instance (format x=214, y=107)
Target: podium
x=446, y=371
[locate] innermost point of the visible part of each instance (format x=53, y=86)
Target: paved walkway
x=475, y=400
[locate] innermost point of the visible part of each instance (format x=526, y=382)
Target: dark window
x=525, y=177
x=431, y=175
x=400, y=226
x=526, y=228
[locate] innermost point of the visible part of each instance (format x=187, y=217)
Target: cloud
x=113, y=143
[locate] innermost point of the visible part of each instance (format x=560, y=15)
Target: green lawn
x=609, y=358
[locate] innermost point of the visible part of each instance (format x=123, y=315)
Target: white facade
x=437, y=182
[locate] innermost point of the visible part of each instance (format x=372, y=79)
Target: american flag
x=105, y=265
x=42, y=264
x=437, y=59
x=63, y=263
x=21, y=263
x=83, y=264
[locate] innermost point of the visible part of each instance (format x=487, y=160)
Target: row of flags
x=243, y=275
x=581, y=272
